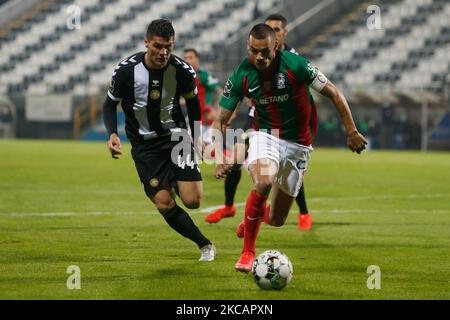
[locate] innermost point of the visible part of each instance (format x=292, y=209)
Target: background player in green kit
x=278, y=83
x=278, y=23
x=208, y=89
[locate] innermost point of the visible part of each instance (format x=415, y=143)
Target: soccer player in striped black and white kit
x=149, y=85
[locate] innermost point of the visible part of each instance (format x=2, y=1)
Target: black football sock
x=182, y=223
x=301, y=201
x=231, y=184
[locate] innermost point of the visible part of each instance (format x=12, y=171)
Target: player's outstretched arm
x=220, y=124
x=355, y=140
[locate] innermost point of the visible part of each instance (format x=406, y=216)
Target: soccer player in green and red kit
x=278, y=83
x=208, y=92
x=279, y=24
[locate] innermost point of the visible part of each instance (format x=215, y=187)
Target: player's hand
x=356, y=142
x=222, y=170
x=114, y=146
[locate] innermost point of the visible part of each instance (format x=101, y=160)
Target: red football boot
x=245, y=262
x=219, y=214
x=305, y=221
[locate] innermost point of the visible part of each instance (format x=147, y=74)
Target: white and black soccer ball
x=272, y=270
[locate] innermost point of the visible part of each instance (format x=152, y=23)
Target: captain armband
x=319, y=82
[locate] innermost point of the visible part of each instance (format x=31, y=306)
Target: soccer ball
x=272, y=270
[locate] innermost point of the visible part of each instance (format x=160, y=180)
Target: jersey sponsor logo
x=227, y=89
x=273, y=99
x=281, y=81
x=253, y=89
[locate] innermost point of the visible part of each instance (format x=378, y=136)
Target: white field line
x=242, y=204
x=375, y=211
x=332, y=211
x=71, y=191
x=213, y=208
x=328, y=199
x=74, y=214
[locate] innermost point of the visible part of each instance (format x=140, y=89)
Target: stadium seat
x=415, y=33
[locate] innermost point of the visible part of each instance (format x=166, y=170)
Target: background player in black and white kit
x=149, y=86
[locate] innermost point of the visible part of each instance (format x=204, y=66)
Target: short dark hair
x=191, y=50
x=277, y=17
x=161, y=28
x=262, y=31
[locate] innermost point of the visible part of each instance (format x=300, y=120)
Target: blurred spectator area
x=41, y=55
x=405, y=64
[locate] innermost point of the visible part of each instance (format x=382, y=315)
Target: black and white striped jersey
x=150, y=98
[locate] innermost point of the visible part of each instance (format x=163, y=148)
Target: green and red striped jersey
x=206, y=86
x=280, y=95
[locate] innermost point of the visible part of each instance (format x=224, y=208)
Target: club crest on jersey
x=155, y=94
x=281, y=81
x=154, y=182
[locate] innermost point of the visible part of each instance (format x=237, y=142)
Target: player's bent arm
x=216, y=96
x=222, y=119
x=110, y=115
x=110, y=120
x=341, y=104
x=193, y=110
x=355, y=141
x=220, y=124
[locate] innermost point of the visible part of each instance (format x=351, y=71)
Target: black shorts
x=156, y=169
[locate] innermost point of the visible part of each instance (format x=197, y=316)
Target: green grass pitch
x=69, y=203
